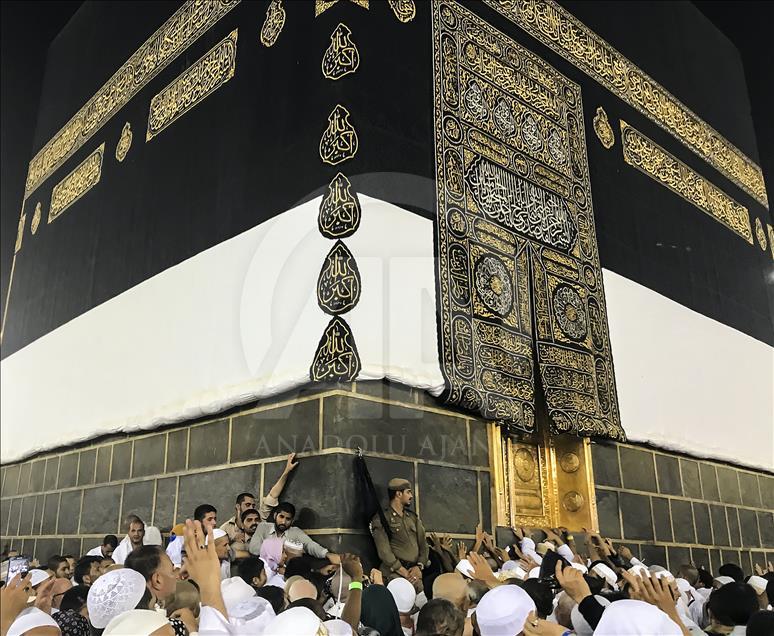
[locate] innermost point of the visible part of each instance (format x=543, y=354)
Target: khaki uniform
x=407, y=547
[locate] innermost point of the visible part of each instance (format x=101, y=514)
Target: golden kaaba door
x=542, y=480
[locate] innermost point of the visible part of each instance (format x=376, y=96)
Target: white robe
x=123, y=550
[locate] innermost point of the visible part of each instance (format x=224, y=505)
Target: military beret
x=398, y=483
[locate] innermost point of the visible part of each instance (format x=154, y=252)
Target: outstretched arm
x=276, y=489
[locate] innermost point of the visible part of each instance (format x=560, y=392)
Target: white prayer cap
x=421, y=600
x=251, y=616
x=37, y=576
x=600, y=569
x=338, y=627
x=296, y=546
x=503, y=610
x=758, y=583
x=635, y=618
x=579, y=566
x=152, y=536
x=465, y=568
x=136, y=623
x=534, y=573
x=114, y=593
x=403, y=593
x=723, y=580
x=579, y=624
x=234, y=591
x=217, y=533
x=28, y=619
x=298, y=621
x=639, y=570
x=665, y=574
x=510, y=565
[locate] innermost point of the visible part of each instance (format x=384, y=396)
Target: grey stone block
x=387, y=390
x=638, y=470
x=50, y=512
x=730, y=556
x=46, y=548
x=767, y=491
x=662, y=519
x=52, y=472
x=11, y=481
x=748, y=484
x=219, y=488
x=104, y=456
x=668, y=470
x=734, y=532
x=486, y=500
x=605, y=462
x=100, y=510
x=729, y=485
x=68, y=470
x=701, y=518
x=607, y=511
x=719, y=524
x=69, y=512
x=700, y=557
x=766, y=525
x=24, y=478
x=164, y=511
x=653, y=554
x=360, y=544
x=749, y=527
x=209, y=444
x=636, y=516
x=678, y=556
x=138, y=500
x=71, y=545
x=682, y=521
x=38, y=476
x=709, y=482
x=149, y=456
x=448, y=498
x=5, y=508
x=716, y=559
x=86, y=466
x=14, y=511
x=691, y=479
x=277, y=431
x=177, y=450
x=122, y=461
x=350, y=422
x=479, y=443
x=27, y=513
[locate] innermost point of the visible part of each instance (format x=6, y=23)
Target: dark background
x=658, y=237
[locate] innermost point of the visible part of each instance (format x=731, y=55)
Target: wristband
x=570, y=537
x=356, y=585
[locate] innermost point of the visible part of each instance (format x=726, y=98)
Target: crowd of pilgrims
x=258, y=574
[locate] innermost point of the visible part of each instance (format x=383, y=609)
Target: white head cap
x=503, y=611
x=403, y=593
x=465, y=568
x=758, y=583
x=298, y=621
x=579, y=566
x=114, y=593
x=534, y=573
x=602, y=570
x=634, y=618
x=152, y=536
x=338, y=627
x=217, y=533
x=724, y=580
x=251, y=616
x=29, y=619
x=37, y=576
x=135, y=623
x=234, y=591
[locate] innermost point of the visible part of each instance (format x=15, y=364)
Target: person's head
x=87, y=570
x=503, y=610
x=339, y=586
x=250, y=519
x=135, y=530
x=542, y=596
x=284, y=514
x=563, y=611
x=105, y=564
x=244, y=501
x=59, y=566
x=71, y=560
x=761, y=623
x=399, y=491
x=207, y=515
x=732, y=570
x=186, y=595
x=442, y=617
x=298, y=565
x=109, y=544
x=58, y=590
x=302, y=588
x=733, y=604
x=252, y=571
x=704, y=579
x=452, y=587
x=275, y=595
x=689, y=573
x=222, y=543
x=476, y=591
x=404, y=594
x=75, y=599
x=156, y=567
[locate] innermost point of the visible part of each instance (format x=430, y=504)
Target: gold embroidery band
x=555, y=27
x=201, y=79
x=659, y=165
x=185, y=26
x=76, y=184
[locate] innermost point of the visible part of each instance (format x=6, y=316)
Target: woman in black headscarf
x=378, y=611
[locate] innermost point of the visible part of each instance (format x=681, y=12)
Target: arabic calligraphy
x=338, y=286
x=603, y=129
x=124, y=142
x=82, y=179
x=404, y=10
x=339, y=141
x=273, y=23
x=339, y=215
x=336, y=358
x=341, y=57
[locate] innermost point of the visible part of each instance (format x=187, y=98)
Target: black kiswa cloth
x=369, y=497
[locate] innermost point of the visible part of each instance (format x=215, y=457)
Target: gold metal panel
x=559, y=30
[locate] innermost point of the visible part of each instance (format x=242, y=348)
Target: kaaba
x=517, y=252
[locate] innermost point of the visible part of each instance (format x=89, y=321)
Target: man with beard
x=280, y=515
x=249, y=522
x=402, y=546
x=135, y=533
x=233, y=527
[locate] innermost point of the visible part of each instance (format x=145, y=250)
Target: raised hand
x=291, y=464
x=481, y=570
x=351, y=565
x=461, y=550
x=13, y=599
x=625, y=553
x=572, y=582
x=535, y=626
x=203, y=564
x=376, y=577
x=446, y=543
x=45, y=595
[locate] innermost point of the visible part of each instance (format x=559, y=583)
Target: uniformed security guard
x=404, y=551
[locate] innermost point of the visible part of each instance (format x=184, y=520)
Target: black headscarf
x=71, y=623
x=378, y=611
